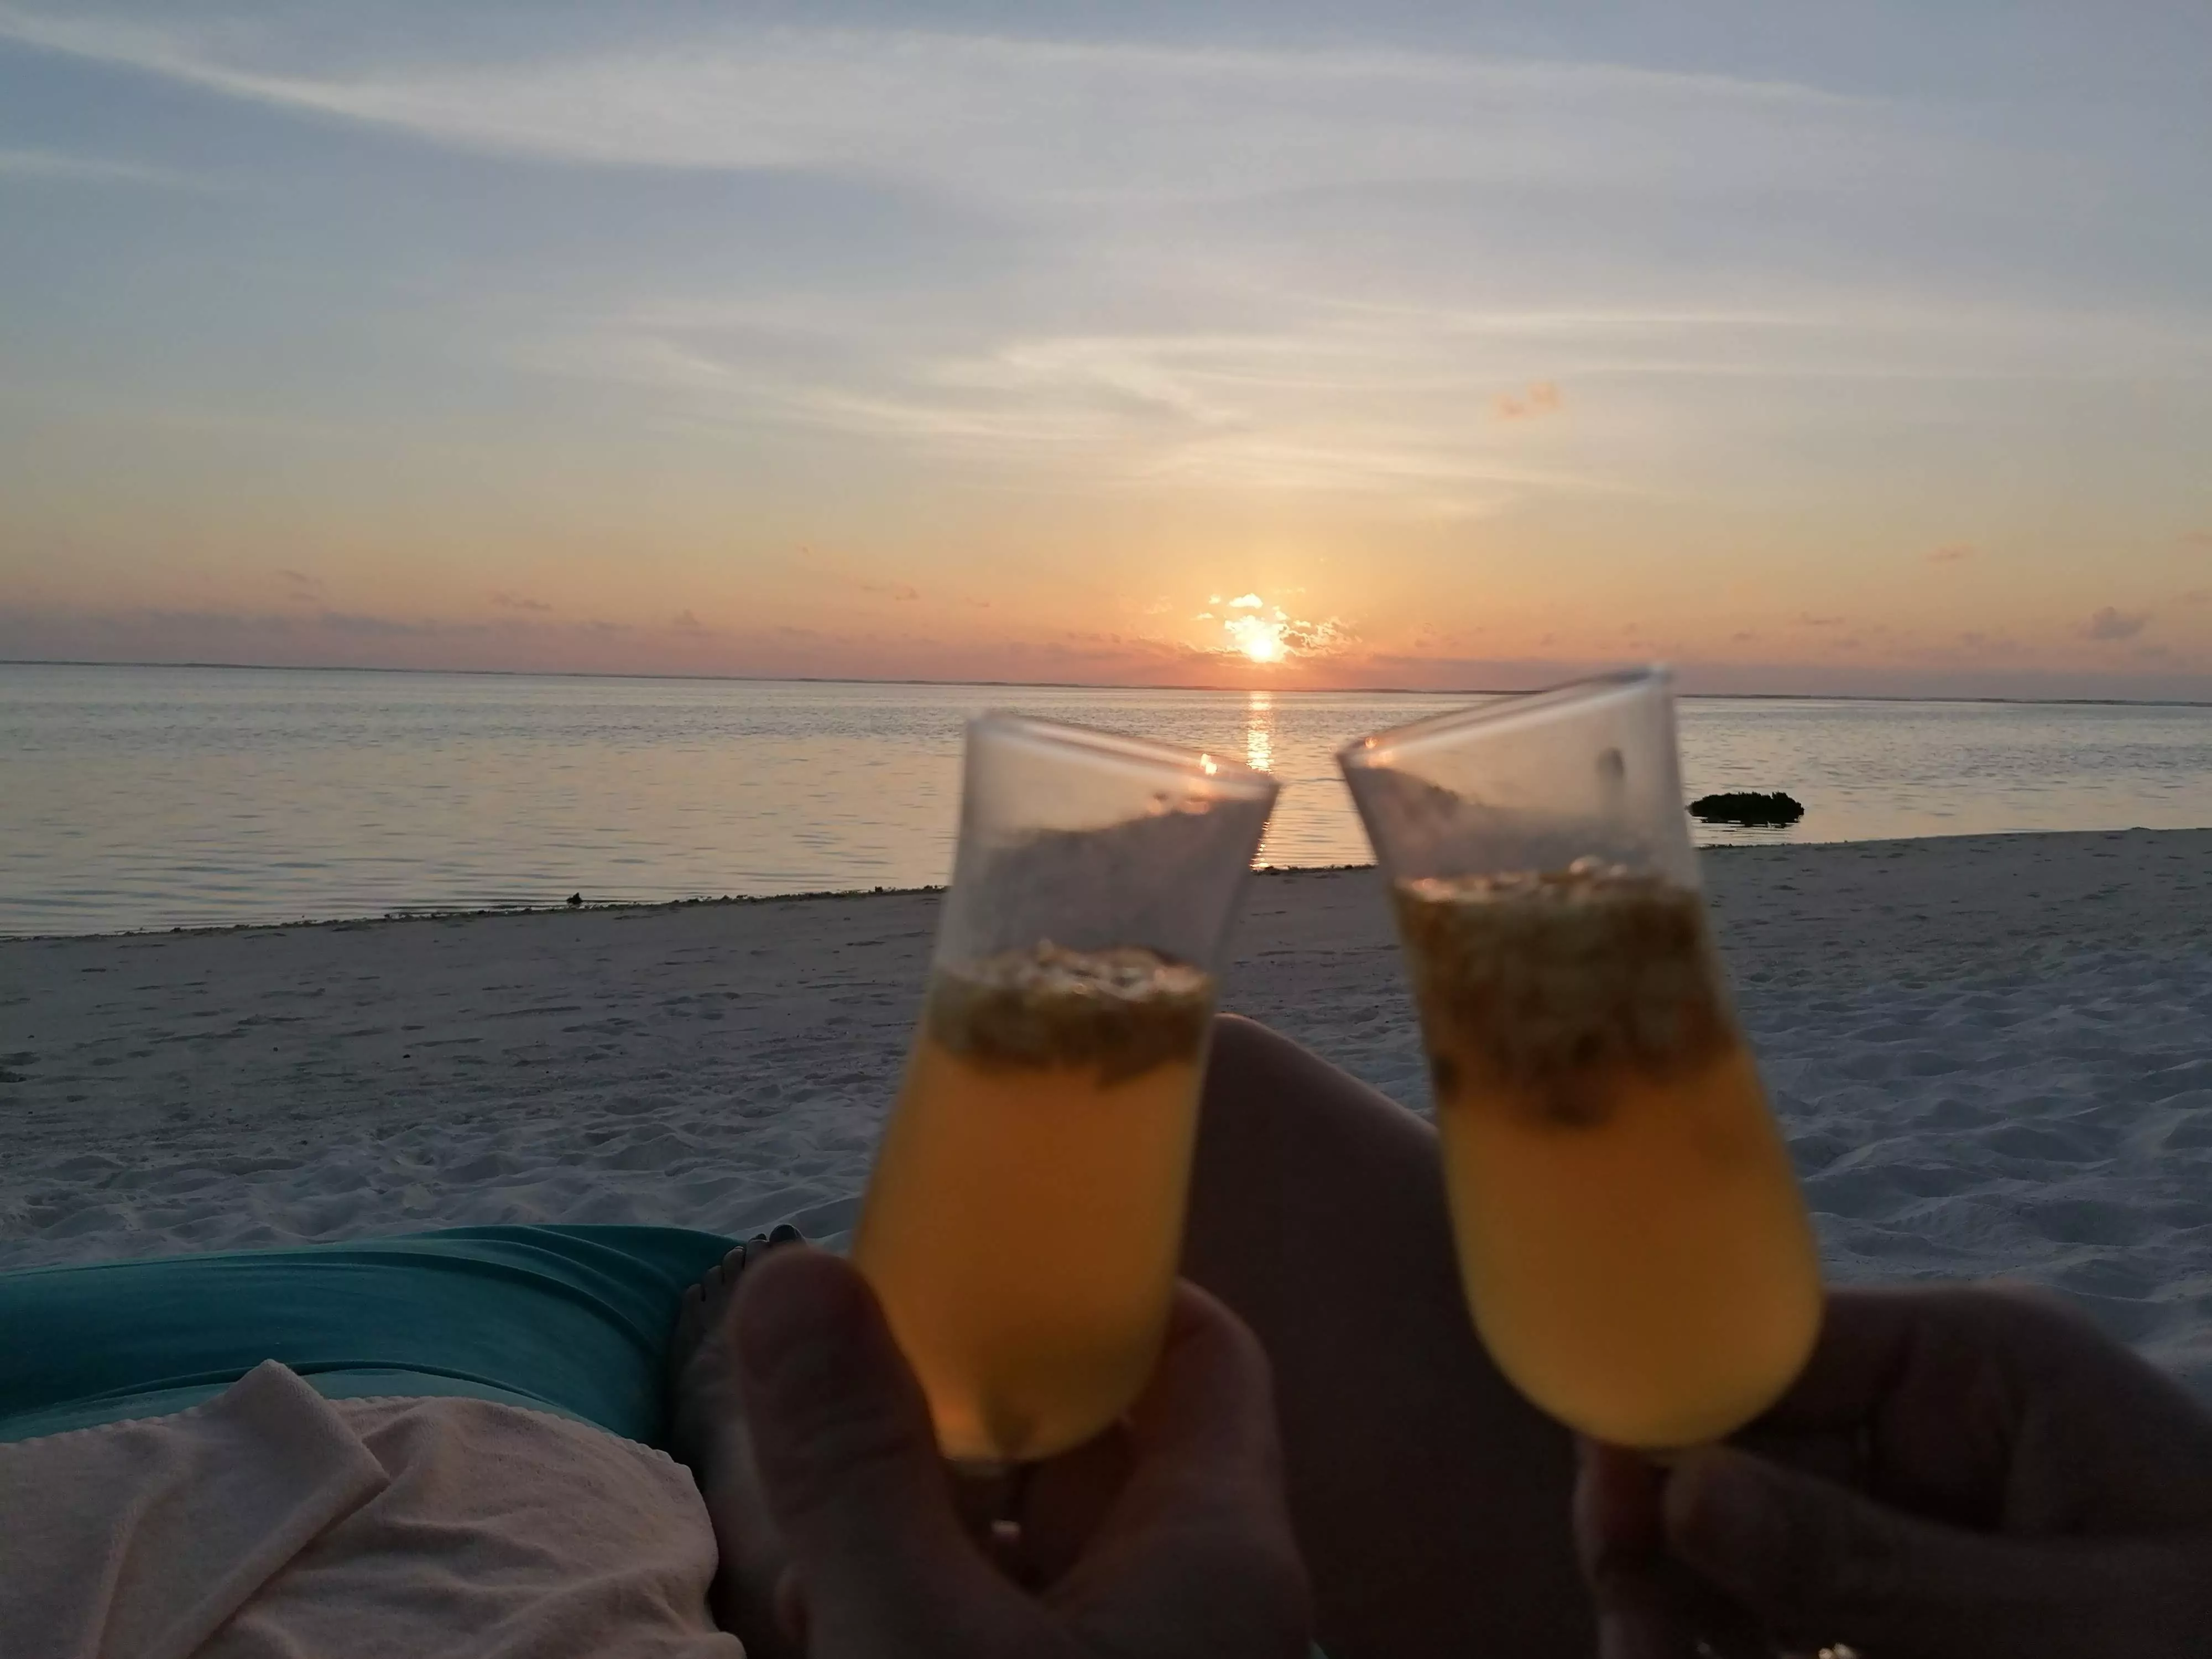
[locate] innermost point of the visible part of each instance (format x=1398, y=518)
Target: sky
x=1813, y=348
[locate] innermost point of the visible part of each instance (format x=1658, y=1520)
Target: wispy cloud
x=1169, y=315
x=55, y=165
x=1953, y=553
x=1311, y=398
x=1066, y=119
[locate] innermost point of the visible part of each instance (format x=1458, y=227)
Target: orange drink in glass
x=1024, y=1217
x=1630, y=1237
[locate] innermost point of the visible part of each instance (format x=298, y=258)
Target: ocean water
x=135, y=798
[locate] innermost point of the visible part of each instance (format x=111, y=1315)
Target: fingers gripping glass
x=1024, y=1217
x=1631, y=1239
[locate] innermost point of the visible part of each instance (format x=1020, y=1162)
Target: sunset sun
x=1263, y=646
x=1260, y=634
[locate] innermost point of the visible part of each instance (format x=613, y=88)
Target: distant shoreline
x=1096, y=685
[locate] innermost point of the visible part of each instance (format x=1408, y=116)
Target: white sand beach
x=1993, y=1055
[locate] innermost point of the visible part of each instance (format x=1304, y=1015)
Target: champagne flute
x=1024, y=1217
x=1631, y=1241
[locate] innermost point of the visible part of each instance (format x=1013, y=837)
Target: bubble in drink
x=1025, y=1216
x=1630, y=1235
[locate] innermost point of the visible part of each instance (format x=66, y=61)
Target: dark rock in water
x=575, y=900
x=1748, y=807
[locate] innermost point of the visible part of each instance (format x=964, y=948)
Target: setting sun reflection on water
x=1259, y=731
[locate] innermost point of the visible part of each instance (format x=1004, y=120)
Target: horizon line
x=1082, y=685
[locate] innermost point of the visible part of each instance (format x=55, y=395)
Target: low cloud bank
x=524, y=641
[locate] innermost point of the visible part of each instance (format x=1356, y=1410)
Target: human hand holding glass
x=1631, y=1238
x=1958, y=1472
x=1184, y=1552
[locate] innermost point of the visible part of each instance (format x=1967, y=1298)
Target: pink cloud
x=2109, y=623
x=1952, y=553
x=1996, y=665
x=1541, y=399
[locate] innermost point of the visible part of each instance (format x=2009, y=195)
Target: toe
x=703, y=1303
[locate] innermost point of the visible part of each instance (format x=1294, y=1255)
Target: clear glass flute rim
x=1379, y=748
x=1229, y=778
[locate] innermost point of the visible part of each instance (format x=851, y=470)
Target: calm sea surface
x=167, y=797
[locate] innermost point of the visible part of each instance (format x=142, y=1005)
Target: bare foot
x=707, y=1431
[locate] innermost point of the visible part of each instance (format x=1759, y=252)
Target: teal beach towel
x=573, y=1320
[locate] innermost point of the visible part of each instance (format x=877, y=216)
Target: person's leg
x=1431, y=1500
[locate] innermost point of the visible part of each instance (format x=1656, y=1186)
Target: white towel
x=271, y=1523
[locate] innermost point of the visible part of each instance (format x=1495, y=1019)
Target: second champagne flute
x=1631, y=1238
x=1024, y=1218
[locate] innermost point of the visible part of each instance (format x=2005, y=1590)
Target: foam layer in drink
x=1629, y=1234
x=1025, y=1214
